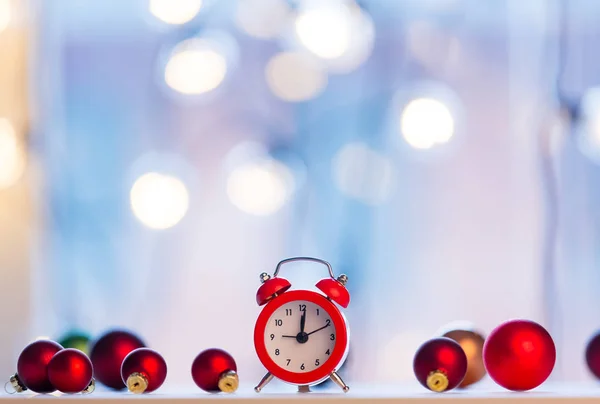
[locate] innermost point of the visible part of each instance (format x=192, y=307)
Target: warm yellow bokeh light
x=159, y=201
x=294, y=76
x=325, y=29
x=260, y=188
x=175, y=11
x=5, y=14
x=12, y=155
x=196, y=68
x=362, y=36
x=426, y=122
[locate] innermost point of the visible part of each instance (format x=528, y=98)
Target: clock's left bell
x=270, y=288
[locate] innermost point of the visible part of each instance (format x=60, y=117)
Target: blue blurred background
x=157, y=155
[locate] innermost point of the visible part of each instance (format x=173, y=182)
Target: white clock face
x=294, y=349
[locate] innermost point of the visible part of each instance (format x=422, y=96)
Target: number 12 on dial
x=301, y=336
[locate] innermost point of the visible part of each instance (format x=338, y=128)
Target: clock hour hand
x=319, y=329
x=288, y=336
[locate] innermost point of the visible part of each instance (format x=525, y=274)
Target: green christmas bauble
x=76, y=339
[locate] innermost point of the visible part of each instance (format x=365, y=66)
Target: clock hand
x=302, y=322
x=288, y=336
x=319, y=329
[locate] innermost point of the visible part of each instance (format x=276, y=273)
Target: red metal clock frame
x=339, y=351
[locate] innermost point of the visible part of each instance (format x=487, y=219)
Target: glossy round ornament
x=472, y=344
x=107, y=355
x=440, y=364
x=32, y=367
x=215, y=370
x=519, y=355
x=70, y=371
x=592, y=355
x=76, y=339
x=143, y=371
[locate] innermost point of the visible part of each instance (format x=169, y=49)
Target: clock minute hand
x=303, y=322
x=319, y=329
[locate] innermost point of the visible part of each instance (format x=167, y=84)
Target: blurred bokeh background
x=157, y=155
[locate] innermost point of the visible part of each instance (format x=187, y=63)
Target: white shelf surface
x=576, y=393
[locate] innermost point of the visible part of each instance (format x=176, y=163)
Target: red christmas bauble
x=107, y=355
x=519, y=355
x=32, y=365
x=592, y=355
x=440, y=364
x=70, y=371
x=215, y=370
x=143, y=371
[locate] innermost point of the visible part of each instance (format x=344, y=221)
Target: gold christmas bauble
x=472, y=343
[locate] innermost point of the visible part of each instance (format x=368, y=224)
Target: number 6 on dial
x=301, y=336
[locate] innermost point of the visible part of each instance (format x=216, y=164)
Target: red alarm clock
x=301, y=336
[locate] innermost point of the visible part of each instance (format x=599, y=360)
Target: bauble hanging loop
x=90, y=388
x=215, y=370
x=16, y=384
x=437, y=381
x=137, y=383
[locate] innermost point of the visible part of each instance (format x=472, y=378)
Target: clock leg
x=304, y=389
x=338, y=380
x=265, y=380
